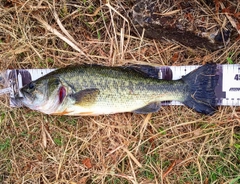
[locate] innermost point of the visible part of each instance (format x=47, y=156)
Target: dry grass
x=175, y=145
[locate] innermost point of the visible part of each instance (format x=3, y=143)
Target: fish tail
x=200, y=89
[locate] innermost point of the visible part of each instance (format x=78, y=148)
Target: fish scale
x=131, y=88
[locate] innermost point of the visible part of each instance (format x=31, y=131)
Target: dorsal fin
x=148, y=71
x=153, y=72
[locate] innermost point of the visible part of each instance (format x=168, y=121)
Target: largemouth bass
x=96, y=90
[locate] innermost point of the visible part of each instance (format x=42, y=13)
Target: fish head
x=44, y=95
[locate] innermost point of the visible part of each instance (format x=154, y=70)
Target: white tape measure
x=227, y=90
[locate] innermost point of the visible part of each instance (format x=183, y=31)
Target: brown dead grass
x=175, y=145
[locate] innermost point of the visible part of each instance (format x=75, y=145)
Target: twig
x=59, y=35
x=231, y=20
x=132, y=157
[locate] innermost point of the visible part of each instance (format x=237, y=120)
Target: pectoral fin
x=86, y=97
x=152, y=107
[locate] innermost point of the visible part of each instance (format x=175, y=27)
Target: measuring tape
x=227, y=90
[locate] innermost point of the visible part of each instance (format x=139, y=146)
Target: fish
x=90, y=90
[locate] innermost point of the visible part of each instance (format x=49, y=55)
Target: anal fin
x=152, y=107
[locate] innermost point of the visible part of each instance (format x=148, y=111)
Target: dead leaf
x=237, y=15
x=238, y=25
x=175, y=57
x=87, y=163
x=189, y=16
x=238, y=38
x=206, y=181
x=227, y=10
x=170, y=168
x=83, y=180
x=217, y=5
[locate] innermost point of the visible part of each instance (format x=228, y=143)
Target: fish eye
x=31, y=85
x=57, y=81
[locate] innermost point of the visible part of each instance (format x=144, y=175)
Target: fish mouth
x=26, y=95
